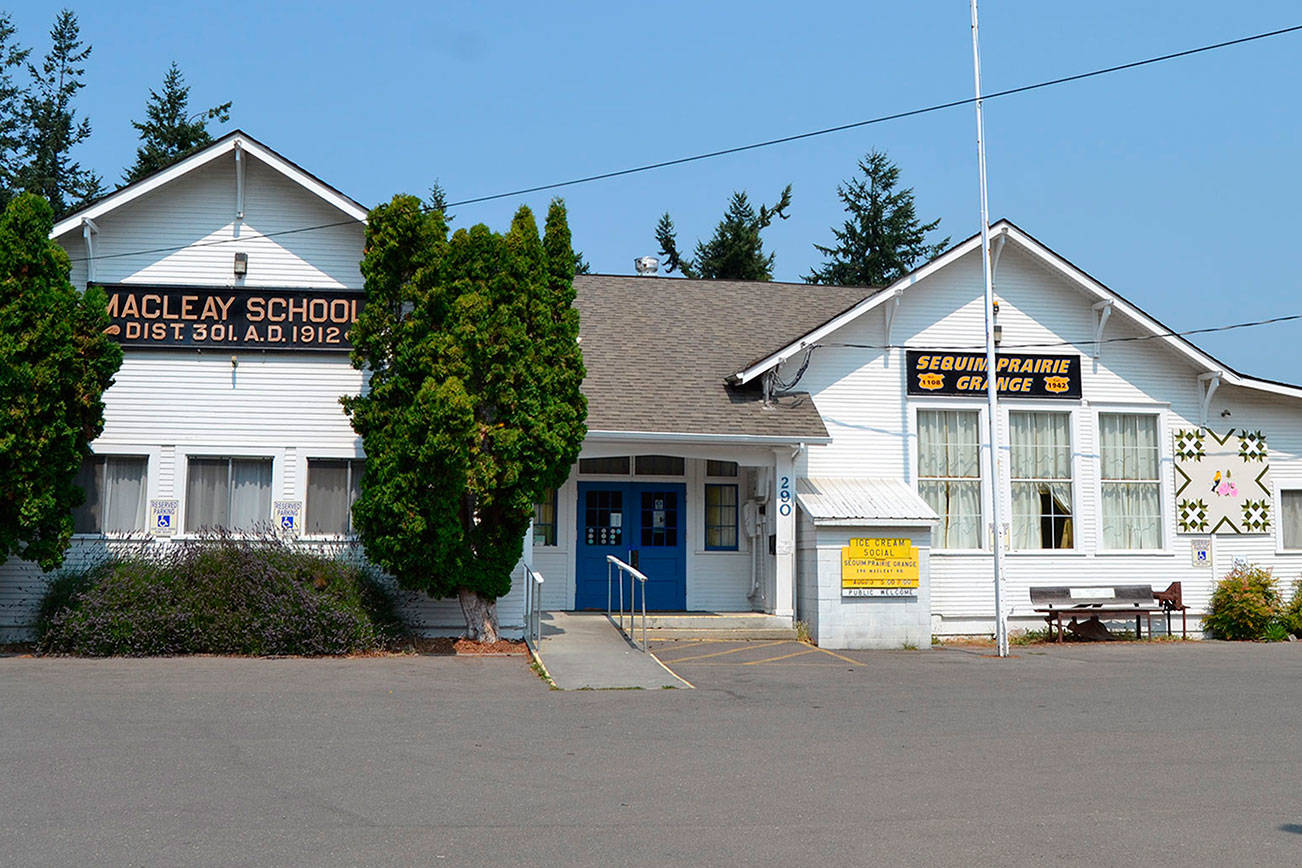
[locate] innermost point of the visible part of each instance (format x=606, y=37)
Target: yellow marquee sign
x=879, y=567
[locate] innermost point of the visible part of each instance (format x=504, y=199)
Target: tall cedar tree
x=51, y=129
x=12, y=56
x=736, y=251
x=883, y=239
x=474, y=406
x=171, y=131
x=55, y=363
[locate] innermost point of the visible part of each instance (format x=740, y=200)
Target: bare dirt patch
x=449, y=646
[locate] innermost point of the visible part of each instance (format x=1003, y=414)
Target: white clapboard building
x=812, y=453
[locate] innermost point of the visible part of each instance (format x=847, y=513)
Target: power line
x=663, y=164
x=1090, y=341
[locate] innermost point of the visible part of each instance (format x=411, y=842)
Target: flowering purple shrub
x=218, y=595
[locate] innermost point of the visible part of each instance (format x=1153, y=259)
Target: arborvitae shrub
x=218, y=595
x=1243, y=605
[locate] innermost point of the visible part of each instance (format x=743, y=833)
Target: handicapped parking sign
x=162, y=516
x=164, y=521
x=285, y=516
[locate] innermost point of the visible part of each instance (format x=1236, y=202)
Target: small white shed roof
x=834, y=501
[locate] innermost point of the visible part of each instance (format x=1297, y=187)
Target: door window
x=603, y=518
x=660, y=518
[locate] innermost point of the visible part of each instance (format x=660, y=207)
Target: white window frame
x=302, y=475
x=1006, y=486
x=1280, y=488
x=1165, y=477
x=983, y=461
x=152, y=456
x=181, y=477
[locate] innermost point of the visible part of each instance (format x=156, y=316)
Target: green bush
x=1244, y=604
x=1291, y=616
x=218, y=595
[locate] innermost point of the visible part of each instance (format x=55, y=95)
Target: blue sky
x=1177, y=185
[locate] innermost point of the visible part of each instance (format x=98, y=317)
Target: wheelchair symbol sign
x=287, y=522
x=164, y=521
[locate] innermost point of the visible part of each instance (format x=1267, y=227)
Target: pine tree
x=57, y=362
x=11, y=108
x=51, y=126
x=170, y=131
x=882, y=240
x=736, y=252
x=474, y=405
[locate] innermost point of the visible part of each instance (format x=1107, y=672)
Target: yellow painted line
x=838, y=656
x=783, y=657
x=746, y=647
x=672, y=672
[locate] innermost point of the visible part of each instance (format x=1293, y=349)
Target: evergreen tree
x=56, y=364
x=883, y=239
x=51, y=126
x=736, y=252
x=473, y=407
x=170, y=131
x=12, y=56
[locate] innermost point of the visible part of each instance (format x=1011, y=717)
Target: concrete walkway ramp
x=586, y=651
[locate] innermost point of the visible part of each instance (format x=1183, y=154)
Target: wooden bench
x=1094, y=601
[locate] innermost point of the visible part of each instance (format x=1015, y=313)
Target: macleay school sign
x=204, y=318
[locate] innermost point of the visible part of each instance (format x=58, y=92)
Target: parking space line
x=783, y=657
x=745, y=647
x=838, y=656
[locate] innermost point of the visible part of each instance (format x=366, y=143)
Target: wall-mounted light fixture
x=241, y=264
x=1225, y=414
x=998, y=329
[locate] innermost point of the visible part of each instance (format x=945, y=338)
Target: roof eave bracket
x=239, y=184
x=1208, y=384
x=1102, y=310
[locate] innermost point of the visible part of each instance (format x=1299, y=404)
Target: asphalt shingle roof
x=658, y=351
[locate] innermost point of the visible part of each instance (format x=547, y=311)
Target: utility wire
x=1087, y=342
x=618, y=173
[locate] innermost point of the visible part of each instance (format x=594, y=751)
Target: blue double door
x=641, y=523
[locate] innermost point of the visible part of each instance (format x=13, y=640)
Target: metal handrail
x=612, y=564
x=532, y=607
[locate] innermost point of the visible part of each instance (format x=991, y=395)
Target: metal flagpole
x=992, y=372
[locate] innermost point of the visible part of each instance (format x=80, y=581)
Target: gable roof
x=658, y=351
x=1056, y=263
x=235, y=139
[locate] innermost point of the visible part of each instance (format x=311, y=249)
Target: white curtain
x=125, y=483
x=250, y=493
x=949, y=474
x=1128, y=446
x=1128, y=464
x=327, y=496
x=1041, y=451
x=207, y=497
x=1291, y=520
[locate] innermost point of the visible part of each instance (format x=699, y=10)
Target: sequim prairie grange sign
x=232, y=318
x=1019, y=375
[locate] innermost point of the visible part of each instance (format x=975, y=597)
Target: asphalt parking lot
x=1156, y=754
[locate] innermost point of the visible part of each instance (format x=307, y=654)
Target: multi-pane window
x=720, y=517
x=230, y=493
x=1290, y=519
x=544, y=519
x=115, y=494
x=333, y=485
x=949, y=475
x=1132, y=493
x=1041, y=478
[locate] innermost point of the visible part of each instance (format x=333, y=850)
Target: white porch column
x=784, y=516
